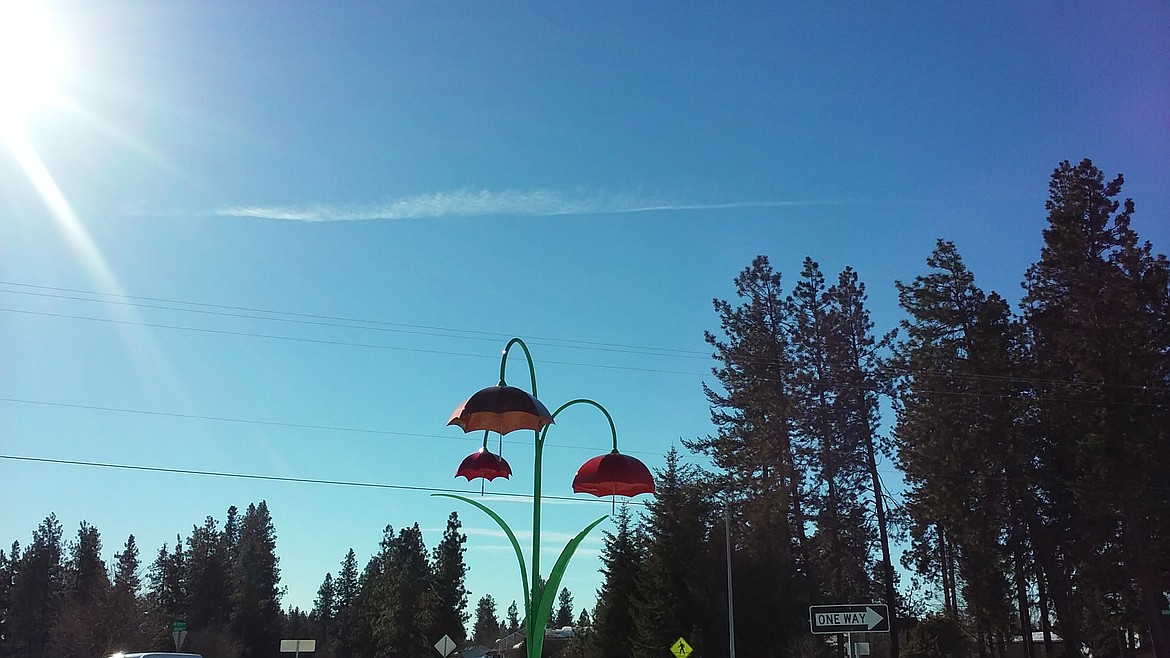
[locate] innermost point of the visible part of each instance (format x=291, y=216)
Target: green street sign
x=178, y=626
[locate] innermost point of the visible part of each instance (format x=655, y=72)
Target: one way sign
x=852, y=618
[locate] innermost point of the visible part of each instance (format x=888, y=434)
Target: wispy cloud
x=482, y=203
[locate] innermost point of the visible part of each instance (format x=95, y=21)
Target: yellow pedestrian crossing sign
x=681, y=649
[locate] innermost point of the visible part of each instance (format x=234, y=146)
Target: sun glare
x=32, y=62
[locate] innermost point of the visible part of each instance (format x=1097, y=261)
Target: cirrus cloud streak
x=482, y=203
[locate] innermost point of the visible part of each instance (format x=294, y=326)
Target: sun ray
x=66, y=219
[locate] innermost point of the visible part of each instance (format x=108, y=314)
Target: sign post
x=851, y=618
x=179, y=633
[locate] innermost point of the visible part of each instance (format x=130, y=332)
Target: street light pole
x=730, y=598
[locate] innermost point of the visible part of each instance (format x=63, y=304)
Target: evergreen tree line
x=1034, y=445
x=398, y=606
x=59, y=599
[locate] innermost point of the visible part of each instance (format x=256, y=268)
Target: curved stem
x=511, y=537
x=538, y=456
x=527, y=356
x=612, y=427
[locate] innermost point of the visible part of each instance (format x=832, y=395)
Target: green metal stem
x=527, y=356
x=535, y=595
x=612, y=427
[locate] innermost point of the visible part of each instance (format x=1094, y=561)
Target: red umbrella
x=613, y=474
x=484, y=464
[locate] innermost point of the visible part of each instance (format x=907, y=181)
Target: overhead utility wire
x=322, y=341
x=428, y=330
x=468, y=334
x=273, y=423
x=280, y=478
x=355, y=323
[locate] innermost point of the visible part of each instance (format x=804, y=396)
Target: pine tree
x=208, y=577
x=614, y=627
x=86, y=574
x=322, y=617
x=486, y=629
x=127, y=580
x=956, y=420
x=346, y=588
x=450, y=574
x=296, y=624
x=1097, y=307
x=8, y=564
x=166, y=594
x=677, y=593
x=754, y=414
x=859, y=381
x=396, y=607
x=758, y=454
x=37, y=593
x=81, y=628
x=255, y=597
x=513, y=619
x=826, y=426
x=125, y=613
x=564, y=613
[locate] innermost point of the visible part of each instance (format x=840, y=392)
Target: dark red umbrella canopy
x=501, y=409
x=613, y=474
x=484, y=464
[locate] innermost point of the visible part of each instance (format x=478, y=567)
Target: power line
x=344, y=322
x=340, y=343
x=280, y=478
x=273, y=423
x=469, y=334
x=448, y=332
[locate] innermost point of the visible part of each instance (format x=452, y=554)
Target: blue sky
x=289, y=239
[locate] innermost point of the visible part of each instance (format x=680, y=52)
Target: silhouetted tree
x=513, y=619
x=679, y=583
x=450, y=574
x=1097, y=306
x=613, y=618
x=37, y=593
x=323, y=616
x=486, y=629
x=563, y=616
x=256, y=588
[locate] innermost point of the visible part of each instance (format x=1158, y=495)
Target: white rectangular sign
x=298, y=646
